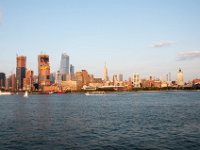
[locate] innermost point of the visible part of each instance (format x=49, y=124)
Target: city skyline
x=150, y=38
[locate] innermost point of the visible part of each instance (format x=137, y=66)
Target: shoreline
x=106, y=91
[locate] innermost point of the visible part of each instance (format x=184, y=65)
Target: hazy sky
x=150, y=37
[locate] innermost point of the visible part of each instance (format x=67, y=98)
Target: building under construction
x=43, y=70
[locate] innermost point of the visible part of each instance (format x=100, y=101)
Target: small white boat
x=26, y=94
x=5, y=93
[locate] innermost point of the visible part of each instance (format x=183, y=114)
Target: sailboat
x=26, y=94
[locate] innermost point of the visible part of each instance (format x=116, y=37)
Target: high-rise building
x=64, y=66
x=20, y=71
x=136, y=80
x=120, y=77
x=115, y=80
x=11, y=82
x=2, y=80
x=52, y=78
x=29, y=80
x=72, y=72
x=43, y=70
x=58, y=78
x=105, y=73
x=180, y=81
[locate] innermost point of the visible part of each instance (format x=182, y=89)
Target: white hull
x=5, y=93
x=94, y=93
x=26, y=94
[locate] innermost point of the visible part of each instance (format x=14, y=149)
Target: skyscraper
x=72, y=69
x=180, y=81
x=105, y=73
x=2, y=80
x=120, y=77
x=28, y=81
x=43, y=70
x=20, y=71
x=72, y=72
x=64, y=66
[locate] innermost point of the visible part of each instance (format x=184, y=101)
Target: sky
x=147, y=37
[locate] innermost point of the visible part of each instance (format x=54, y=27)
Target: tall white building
x=180, y=81
x=136, y=80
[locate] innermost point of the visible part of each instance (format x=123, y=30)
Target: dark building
x=2, y=80
x=20, y=71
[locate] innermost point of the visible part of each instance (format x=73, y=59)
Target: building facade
x=105, y=73
x=29, y=80
x=120, y=77
x=180, y=81
x=2, y=80
x=136, y=80
x=83, y=77
x=20, y=71
x=43, y=70
x=64, y=66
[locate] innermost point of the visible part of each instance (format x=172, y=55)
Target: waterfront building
x=115, y=80
x=43, y=70
x=196, y=83
x=58, y=78
x=120, y=77
x=11, y=83
x=71, y=85
x=52, y=78
x=2, y=80
x=72, y=72
x=20, y=71
x=64, y=66
x=83, y=77
x=72, y=69
x=136, y=80
x=7, y=83
x=180, y=81
x=105, y=73
x=29, y=80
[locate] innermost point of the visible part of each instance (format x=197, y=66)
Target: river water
x=135, y=120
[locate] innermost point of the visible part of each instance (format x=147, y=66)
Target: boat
x=5, y=93
x=95, y=93
x=26, y=94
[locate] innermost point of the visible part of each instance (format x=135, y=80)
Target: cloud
x=188, y=55
x=162, y=44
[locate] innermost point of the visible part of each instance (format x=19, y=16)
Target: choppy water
x=142, y=120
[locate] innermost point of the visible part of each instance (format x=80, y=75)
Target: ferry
x=5, y=93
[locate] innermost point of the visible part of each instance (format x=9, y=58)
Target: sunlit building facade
x=43, y=70
x=180, y=81
x=136, y=80
x=105, y=73
x=29, y=80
